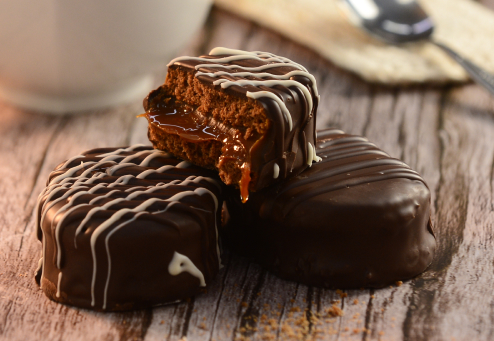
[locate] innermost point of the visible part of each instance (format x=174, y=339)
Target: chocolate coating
x=125, y=228
x=358, y=218
x=285, y=90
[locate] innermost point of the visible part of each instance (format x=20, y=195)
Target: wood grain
x=446, y=134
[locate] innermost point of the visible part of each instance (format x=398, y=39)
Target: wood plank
x=444, y=133
x=45, y=141
x=453, y=294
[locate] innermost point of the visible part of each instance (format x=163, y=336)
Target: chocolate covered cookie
x=358, y=218
x=251, y=115
x=126, y=228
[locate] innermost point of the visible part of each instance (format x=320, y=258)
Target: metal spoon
x=402, y=21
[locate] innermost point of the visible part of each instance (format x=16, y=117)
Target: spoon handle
x=478, y=74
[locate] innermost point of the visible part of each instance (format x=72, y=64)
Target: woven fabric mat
x=465, y=26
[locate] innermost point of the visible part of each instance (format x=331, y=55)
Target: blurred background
x=62, y=57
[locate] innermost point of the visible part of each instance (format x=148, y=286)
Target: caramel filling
x=174, y=117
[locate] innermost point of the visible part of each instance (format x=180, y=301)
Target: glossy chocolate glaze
x=285, y=90
x=358, y=218
x=127, y=228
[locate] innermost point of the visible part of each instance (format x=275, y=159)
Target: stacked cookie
x=133, y=227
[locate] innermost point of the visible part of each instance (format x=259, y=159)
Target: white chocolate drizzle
x=274, y=79
x=181, y=263
x=257, y=55
x=311, y=154
x=218, y=51
x=285, y=77
x=40, y=265
x=68, y=187
x=58, y=284
x=276, y=171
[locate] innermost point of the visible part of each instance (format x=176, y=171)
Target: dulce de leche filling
x=177, y=118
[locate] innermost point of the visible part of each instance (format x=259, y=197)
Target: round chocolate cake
x=250, y=115
x=358, y=218
x=125, y=228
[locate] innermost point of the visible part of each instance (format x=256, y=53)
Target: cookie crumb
x=335, y=311
x=341, y=293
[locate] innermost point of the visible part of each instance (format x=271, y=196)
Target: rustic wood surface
x=446, y=133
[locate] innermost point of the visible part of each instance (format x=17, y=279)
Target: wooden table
x=446, y=133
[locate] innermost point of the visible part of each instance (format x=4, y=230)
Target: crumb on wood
x=335, y=311
x=341, y=293
x=298, y=324
x=273, y=323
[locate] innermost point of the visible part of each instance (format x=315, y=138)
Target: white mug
x=64, y=56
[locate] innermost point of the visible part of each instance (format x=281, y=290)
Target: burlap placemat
x=464, y=25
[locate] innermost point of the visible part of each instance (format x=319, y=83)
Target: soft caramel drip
x=177, y=118
x=244, y=182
